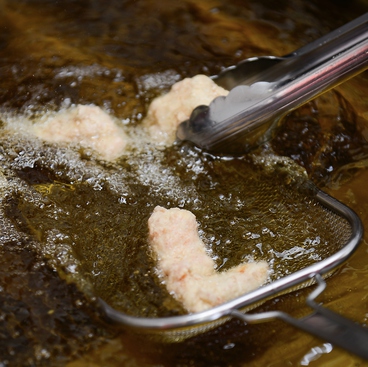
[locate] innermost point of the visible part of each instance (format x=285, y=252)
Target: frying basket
x=347, y=231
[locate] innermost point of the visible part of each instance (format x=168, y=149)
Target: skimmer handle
x=323, y=323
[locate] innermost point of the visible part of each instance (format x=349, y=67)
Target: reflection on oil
x=315, y=353
x=56, y=54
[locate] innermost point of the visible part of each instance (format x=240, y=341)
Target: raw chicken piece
x=188, y=271
x=88, y=126
x=168, y=111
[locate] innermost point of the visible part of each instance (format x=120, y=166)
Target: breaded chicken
x=166, y=112
x=188, y=271
x=88, y=126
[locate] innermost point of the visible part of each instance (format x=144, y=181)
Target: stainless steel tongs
x=264, y=89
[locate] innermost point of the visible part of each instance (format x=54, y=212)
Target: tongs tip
x=197, y=123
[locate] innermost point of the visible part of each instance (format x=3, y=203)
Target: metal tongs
x=265, y=89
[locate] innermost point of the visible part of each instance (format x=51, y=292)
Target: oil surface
x=74, y=227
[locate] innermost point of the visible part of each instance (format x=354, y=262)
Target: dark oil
x=75, y=228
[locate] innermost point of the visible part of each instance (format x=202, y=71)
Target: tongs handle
x=328, y=60
x=228, y=125
x=355, y=26
x=323, y=323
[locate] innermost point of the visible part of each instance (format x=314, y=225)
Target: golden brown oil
x=69, y=219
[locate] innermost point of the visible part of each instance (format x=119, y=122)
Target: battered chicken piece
x=188, y=271
x=88, y=126
x=168, y=111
